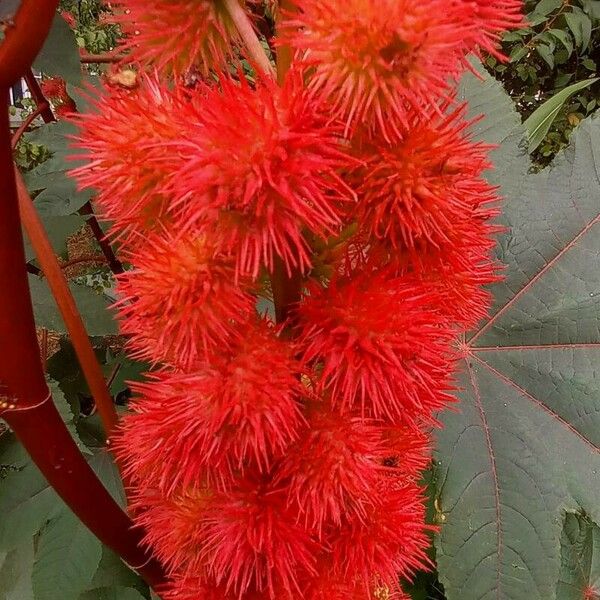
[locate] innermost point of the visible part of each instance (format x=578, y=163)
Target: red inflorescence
x=279, y=461
x=380, y=62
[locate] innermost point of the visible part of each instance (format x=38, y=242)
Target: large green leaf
x=15, y=572
x=112, y=593
x=59, y=195
x=60, y=55
x=66, y=560
x=524, y=447
x=26, y=504
x=93, y=307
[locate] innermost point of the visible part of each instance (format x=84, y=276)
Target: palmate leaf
x=523, y=448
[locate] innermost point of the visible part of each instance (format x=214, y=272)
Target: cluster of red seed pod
x=282, y=460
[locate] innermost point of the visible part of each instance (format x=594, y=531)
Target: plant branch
x=107, y=57
x=284, y=53
x=68, y=309
x=44, y=106
x=39, y=98
x=114, y=263
x=246, y=30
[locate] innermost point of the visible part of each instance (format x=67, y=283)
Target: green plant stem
x=286, y=287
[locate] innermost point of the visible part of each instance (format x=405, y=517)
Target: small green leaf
x=545, y=52
x=517, y=53
x=539, y=122
x=581, y=26
x=580, y=558
x=589, y=64
x=592, y=8
x=545, y=7
x=564, y=38
x=67, y=557
x=60, y=56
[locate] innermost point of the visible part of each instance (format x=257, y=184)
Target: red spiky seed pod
x=174, y=526
x=123, y=138
x=176, y=36
x=179, y=303
x=259, y=166
x=389, y=542
x=332, y=469
x=240, y=412
x=385, y=363
x=375, y=61
x=422, y=187
x=254, y=542
x=492, y=18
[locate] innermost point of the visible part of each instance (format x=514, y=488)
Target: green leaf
x=60, y=195
x=112, y=593
x=564, y=38
x=539, y=122
x=94, y=308
x=66, y=560
x=580, y=558
x=15, y=572
x=517, y=53
x=107, y=472
x=112, y=571
x=546, y=53
x=524, y=446
x=26, y=504
x=581, y=27
x=66, y=412
x=60, y=56
x=545, y=7
x=592, y=7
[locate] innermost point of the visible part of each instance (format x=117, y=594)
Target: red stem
x=106, y=57
x=68, y=309
x=24, y=39
x=25, y=403
x=41, y=430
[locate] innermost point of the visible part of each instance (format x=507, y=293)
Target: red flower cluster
x=283, y=460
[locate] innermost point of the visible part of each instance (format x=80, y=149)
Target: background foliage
x=561, y=46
